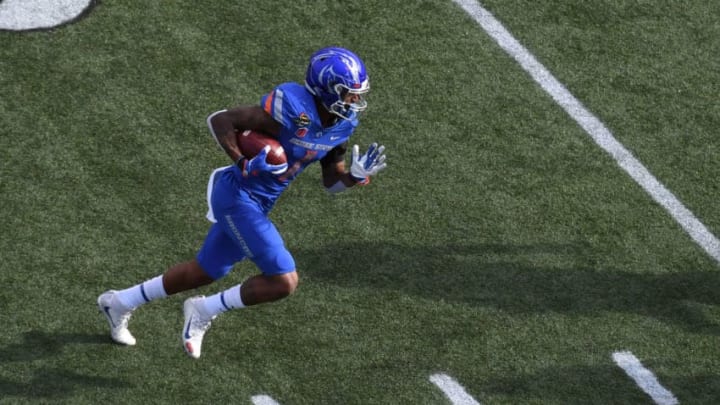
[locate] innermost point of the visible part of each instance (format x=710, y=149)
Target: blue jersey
x=238, y=205
x=302, y=136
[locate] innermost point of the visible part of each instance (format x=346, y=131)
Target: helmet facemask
x=345, y=109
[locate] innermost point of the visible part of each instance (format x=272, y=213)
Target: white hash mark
x=644, y=378
x=453, y=390
x=263, y=400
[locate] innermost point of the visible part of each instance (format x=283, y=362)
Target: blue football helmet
x=332, y=74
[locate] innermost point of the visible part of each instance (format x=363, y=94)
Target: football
x=252, y=142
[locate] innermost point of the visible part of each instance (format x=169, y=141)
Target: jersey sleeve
x=281, y=104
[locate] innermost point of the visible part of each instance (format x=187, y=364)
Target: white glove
x=368, y=164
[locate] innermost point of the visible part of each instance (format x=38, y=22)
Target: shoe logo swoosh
x=107, y=312
x=187, y=329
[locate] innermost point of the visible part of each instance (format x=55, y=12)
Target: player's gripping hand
x=369, y=164
x=258, y=164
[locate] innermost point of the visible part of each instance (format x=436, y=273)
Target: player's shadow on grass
x=523, y=279
x=53, y=384
x=38, y=345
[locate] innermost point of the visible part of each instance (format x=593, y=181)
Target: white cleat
x=117, y=317
x=196, y=324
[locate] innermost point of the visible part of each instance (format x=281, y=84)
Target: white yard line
x=263, y=400
x=644, y=378
x=596, y=129
x=454, y=391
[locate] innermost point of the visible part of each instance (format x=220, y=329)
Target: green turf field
x=502, y=247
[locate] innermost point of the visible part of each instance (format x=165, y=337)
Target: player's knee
x=287, y=284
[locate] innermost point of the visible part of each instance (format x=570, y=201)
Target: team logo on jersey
x=301, y=132
x=302, y=120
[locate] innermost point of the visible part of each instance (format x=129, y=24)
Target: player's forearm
x=223, y=129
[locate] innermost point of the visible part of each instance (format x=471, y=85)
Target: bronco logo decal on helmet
x=334, y=72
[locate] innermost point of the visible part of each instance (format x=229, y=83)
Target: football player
x=313, y=122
